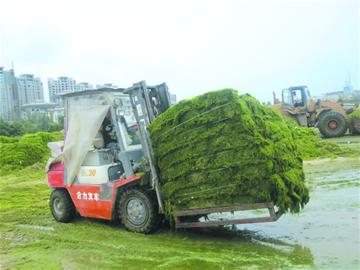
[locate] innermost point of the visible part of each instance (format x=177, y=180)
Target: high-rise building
x=61, y=85
x=64, y=85
x=9, y=96
x=30, y=89
x=83, y=86
x=106, y=85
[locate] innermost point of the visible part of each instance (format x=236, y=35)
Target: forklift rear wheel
x=61, y=205
x=138, y=211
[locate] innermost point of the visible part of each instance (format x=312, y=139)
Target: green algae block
x=222, y=148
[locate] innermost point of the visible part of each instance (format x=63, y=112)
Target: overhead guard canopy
x=83, y=124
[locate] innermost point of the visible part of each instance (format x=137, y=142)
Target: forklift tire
x=61, y=205
x=332, y=124
x=138, y=211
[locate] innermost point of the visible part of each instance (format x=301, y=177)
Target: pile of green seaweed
x=17, y=152
x=354, y=119
x=222, y=148
x=355, y=114
x=312, y=146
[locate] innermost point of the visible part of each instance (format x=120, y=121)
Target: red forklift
x=119, y=180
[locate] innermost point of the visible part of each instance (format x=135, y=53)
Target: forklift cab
x=93, y=175
x=296, y=96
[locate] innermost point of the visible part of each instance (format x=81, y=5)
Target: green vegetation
x=36, y=123
x=220, y=148
x=26, y=150
x=5, y=139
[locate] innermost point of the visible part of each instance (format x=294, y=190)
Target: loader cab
x=296, y=96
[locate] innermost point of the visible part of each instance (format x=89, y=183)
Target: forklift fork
x=179, y=215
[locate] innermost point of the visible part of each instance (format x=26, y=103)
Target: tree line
x=35, y=123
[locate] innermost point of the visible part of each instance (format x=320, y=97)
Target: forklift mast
x=148, y=102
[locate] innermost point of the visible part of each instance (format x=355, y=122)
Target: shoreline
x=324, y=160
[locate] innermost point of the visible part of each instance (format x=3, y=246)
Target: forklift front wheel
x=138, y=211
x=61, y=205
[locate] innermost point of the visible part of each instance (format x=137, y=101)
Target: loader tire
x=138, y=211
x=332, y=124
x=61, y=205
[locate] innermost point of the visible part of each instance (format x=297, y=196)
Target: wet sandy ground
x=329, y=226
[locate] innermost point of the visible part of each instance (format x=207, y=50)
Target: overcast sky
x=194, y=46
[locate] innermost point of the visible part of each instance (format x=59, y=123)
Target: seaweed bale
x=223, y=149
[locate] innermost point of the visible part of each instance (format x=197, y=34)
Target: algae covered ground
x=31, y=239
x=323, y=236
